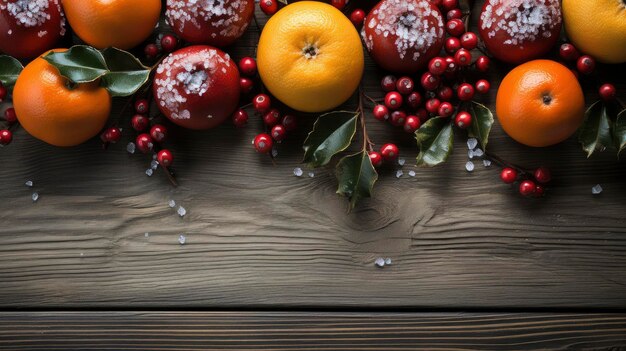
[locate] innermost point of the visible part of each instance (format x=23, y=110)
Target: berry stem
x=169, y=175
x=367, y=143
x=503, y=163
x=372, y=100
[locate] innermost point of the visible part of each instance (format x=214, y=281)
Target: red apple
x=516, y=31
x=212, y=22
x=197, y=87
x=403, y=35
x=28, y=28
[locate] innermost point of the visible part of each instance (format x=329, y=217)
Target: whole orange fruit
x=51, y=111
x=123, y=24
x=597, y=28
x=540, y=103
x=310, y=56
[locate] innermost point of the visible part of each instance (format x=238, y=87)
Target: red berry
x=463, y=57
x=339, y=4
x=381, y=112
x=240, y=118
x=11, y=117
x=388, y=83
x=247, y=66
x=271, y=118
x=508, y=175
x=568, y=52
x=389, y=152
x=445, y=109
x=469, y=40
x=169, y=43
x=422, y=114
x=432, y=105
x=5, y=137
x=263, y=143
x=405, y=85
x=454, y=13
x=445, y=93
x=451, y=64
x=246, y=85
x=414, y=100
x=165, y=158
x=151, y=51
x=585, y=64
x=465, y=92
x=437, y=66
x=357, y=17
x=262, y=103
x=607, y=93
x=158, y=133
x=144, y=143
x=289, y=122
x=430, y=81
x=455, y=27
x=393, y=100
x=397, y=118
x=463, y=120
x=539, y=191
x=542, y=175
x=452, y=44
x=269, y=7
x=279, y=132
x=449, y=5
x=376, y=158
x=142, y=106
x=411, y=124
x=139, y=122
x=111, y=135
x=482, y=86
x=527, y=187
x=482, y=63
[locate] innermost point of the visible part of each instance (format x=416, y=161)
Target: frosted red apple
x=516, y=31
x=28, y=28
x=403, y=35
x=212, y=22
x=197, y=87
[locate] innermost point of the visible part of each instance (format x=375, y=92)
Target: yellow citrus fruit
x=540, y=103
x=597, y=28
x=310, y=56
x=50, y=111
x=123, y=24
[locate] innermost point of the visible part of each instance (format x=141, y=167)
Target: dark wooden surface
x=258, y=237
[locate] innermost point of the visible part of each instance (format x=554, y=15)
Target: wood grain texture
x=259, y=237
x=311, y=331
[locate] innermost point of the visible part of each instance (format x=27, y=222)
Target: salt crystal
x=297, y=172
x=29, y=183
x=149, y=172
x=412, y=173
x=182, y=239
x=479, y=152
x=472, y=143
x=311, y=174
x=154, y=164
x=469, y=166
x=487, y=163
x=380, y=262
x=399, y=173
x=274, y=153
x=172, y=203
x=181, y=211
x=147, y=235
x=35, y=197
x=130, y=148
x=387, y=261
x=401, y=162
x=470, y=154
x=596, y=190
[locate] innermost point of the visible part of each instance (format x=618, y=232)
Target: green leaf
x=79, y=64
x=482, y=120
x=356, y=177
x=331, y=134
x=435, y=139
x=595, y=133
x=10, y=68
x=126, y=73
x=620, y=132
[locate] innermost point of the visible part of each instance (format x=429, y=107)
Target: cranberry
x=142, y=106
x=376, y=158
x=289, y=122
x=432, y=105
x=463, y=57
x=482, y=86
x=542, y=175
x=414, y=100
x=445, y=93
x=540, y=191
x=269, y=7
x=452, y=44
x=430, y=81
x=451, y=64
x=278, y=132
x=139, y=122
x=240, y=118
x=389, y=152
x=169, y=43
x=144, y=143
x=393, y=100
x=411, y=124
x=455, y=27
x=607, y=92
x=165, y=158
x=454, y=13
x=263, y=143
x=247, y=66
x=111, y=135
x=482, y=63
x=508, y=175
x=568, y=52
x=339, y=4
x=158, y=132
x=357, y=17
x=437, y=66
x=463, y=120
x=388, y=83
x=381, y=112
x=527, y=187
x=405, y=85
x=397, y=118
x=246, y=85
x=422, y=114
x=465, y=92
x=469, y=40
x=151, y=51
x=262, y=103
x=272, y=117
x=445, y=109
x=5, y=137
x=585, y=64
x=11, y=117
x=449, y=5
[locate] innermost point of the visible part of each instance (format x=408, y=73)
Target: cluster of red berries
x=166, y=44
x=586, y=65
x=388, y=152
x=357, y=16
x=530, y=186
x=6, y=136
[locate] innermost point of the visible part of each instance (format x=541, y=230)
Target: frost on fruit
x=32, y=13
x=219, y=14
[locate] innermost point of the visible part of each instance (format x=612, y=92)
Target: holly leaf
x=10, y=69
x=435, y=139
x=620, y=132
x=331, y=134
x=79, y=64
x=126, y=74
x=482, y=120
x=595, y=133
x=356, y=176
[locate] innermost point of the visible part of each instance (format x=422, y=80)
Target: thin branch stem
x=503, y=163
x=367, y=143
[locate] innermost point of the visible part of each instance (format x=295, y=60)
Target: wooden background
x=285, y=263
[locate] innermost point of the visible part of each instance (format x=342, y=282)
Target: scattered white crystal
x=154, y=156
x=487, y=163
x=401, y=162
x=472, y=143
x=311, y=174
x=297, y=172
x=470, y=154
x=181, y=211
x=130, y=148
x=411, y=173
x=387, y=261
x=35, y=197
x=29, y=183
x=469, y=166
x=597, y=189
x=154, y=164
x=274, y=153
x=380, y=262
x=172, y=203
x=149, y=172
x=147, y=235
x=399, y=173
x=182, y=239
x=479, y=152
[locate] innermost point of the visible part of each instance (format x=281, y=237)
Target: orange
x=540, y=103
x=123, y=24
x=597, y=28
x=50, y=111
x=310, y=56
